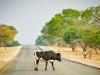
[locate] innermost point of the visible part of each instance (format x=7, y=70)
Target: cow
x=45, y=56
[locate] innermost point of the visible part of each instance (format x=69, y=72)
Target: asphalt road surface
x=23, y=65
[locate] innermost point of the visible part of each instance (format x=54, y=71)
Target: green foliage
x=39, y=40
x=70, y=35
x=72, y=24
x=7, y=34
x=13, y=28
x=91, y=38
x=92, y=15
x=51, y=41
x=54, y=27
x=71, y=13
x=88, y=13
x=14, y=43
x=42, y=41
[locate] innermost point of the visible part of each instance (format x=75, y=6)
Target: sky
x=29, y=16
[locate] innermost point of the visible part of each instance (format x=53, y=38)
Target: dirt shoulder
x=8, y=55
x=77, y=56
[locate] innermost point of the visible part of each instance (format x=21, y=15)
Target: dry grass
x=7, y=55
x=4, y=53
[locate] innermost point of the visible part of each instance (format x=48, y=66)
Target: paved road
x=23, y=65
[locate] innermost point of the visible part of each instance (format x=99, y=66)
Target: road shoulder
x=10, y=57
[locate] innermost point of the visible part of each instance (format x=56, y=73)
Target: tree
x=54, y=26
x=71, y=25
x=92, y=14
x=91, y=38
x=70, y=35
x=6, y=35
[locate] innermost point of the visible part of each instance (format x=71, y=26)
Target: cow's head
x=58, y=56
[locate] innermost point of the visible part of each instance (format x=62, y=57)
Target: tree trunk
x=83, y=47
x=3, y=44
x=73, y=49
x=95, y=50
x=59, y=44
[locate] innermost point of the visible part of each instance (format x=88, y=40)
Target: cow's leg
x=36, y=65
x=46, y=65
x=52, y=65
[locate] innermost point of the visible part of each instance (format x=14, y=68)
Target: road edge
x=10, y=61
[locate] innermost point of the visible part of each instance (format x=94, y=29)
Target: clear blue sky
x=29, y=16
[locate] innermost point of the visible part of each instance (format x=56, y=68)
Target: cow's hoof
x=53, y=68
x=36, y=69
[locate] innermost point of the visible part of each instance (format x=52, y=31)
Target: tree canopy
x=7, y=34
x=71, y=24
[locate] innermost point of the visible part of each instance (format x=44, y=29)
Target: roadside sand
x=8, y=55
x=77, y=56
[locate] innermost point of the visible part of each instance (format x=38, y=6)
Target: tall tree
x=6, y=34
